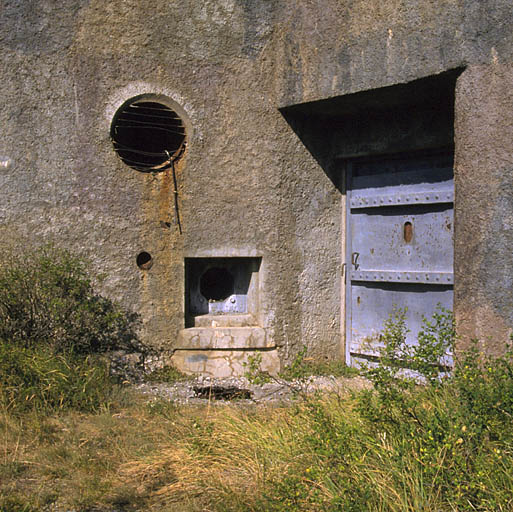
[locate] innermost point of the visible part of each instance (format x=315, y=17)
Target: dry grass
x=75, y=458
x=142, y=457
x=318, y=455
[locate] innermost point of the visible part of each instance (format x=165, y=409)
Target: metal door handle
x=354, y=260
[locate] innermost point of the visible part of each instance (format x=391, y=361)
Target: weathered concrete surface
x=247, y=184
x=223, y=363
x=223, y=337
x=484, y=204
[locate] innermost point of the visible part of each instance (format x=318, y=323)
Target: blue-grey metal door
x=399, y=245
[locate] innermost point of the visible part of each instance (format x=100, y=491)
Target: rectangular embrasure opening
x=222, y=287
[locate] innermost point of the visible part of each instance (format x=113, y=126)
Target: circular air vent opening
x=216, y=284
x=144, y=260
x=147, y=135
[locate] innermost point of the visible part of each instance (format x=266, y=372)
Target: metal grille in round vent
x=147, y=135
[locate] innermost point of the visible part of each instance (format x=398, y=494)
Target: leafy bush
x=456, y=426
x=47, y=298
x=484, y=385
x=402, y=364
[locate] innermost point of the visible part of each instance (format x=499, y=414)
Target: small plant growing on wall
x=429, y=360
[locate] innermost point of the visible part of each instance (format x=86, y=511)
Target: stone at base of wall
x=223, y=363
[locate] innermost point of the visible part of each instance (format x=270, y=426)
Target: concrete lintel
x=224, y=252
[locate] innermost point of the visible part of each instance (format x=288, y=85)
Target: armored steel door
x=399, y=246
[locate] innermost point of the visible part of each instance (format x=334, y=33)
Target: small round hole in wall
x=217, y=283
x=144, y=260
x=147, y=134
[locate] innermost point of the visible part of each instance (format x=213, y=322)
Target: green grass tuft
x=38, y=379
x=167, y=374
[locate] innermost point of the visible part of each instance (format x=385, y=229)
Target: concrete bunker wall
x=247, y=185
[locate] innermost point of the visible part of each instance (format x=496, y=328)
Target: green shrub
x=431, y=357
x=453, y=431
x=423, y=440
x=53, y=326
x=47, y=298
x=401, y=364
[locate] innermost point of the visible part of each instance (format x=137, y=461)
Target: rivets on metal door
x=391, y=276
x=426, y=197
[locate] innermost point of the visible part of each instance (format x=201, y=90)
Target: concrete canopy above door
x=411, y=118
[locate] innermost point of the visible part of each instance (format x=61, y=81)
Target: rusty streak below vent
x=147, y=135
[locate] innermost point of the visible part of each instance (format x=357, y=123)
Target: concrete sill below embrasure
x=240, y=320
x=209, y=338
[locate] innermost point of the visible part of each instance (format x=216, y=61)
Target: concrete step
x=223, y=338
x=242, y=320
x=223, y=363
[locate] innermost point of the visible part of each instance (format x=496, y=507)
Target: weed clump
x=168, y=374
x=303, y=367
x=297, y=375
x=40, y=380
